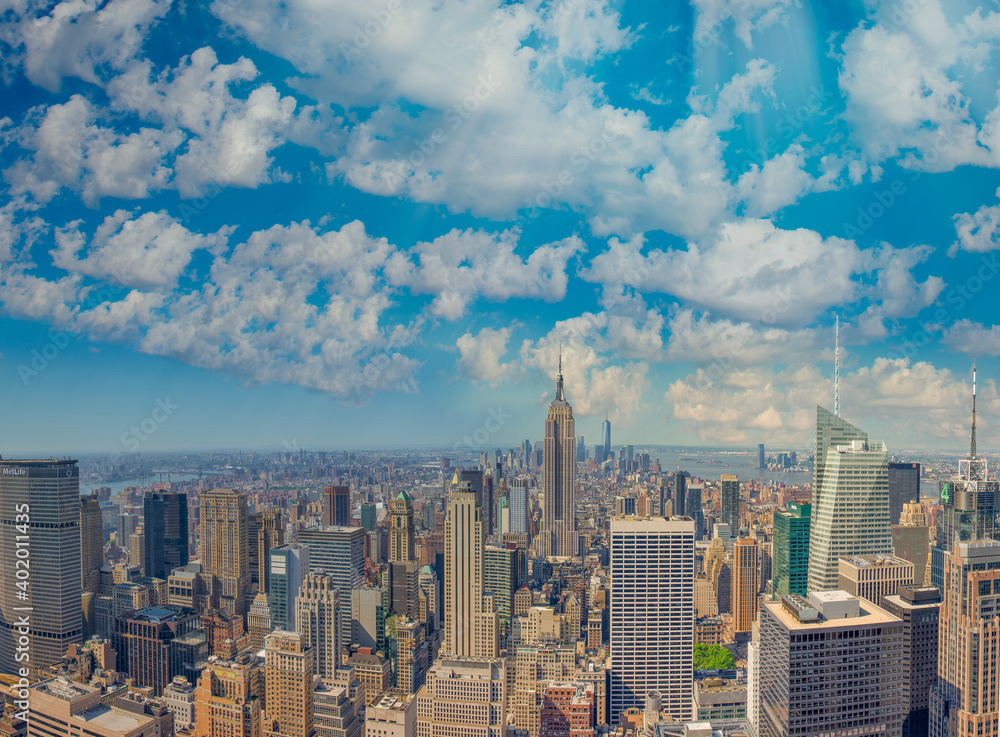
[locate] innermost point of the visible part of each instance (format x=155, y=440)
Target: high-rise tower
x=91, y=542
x=464, y=614
x=40, y=507
x=266, y=531
x=652, y=613
x=224, y=549
x=850, y=511
x=165, y=520
x=605, y=439
x=730, y=501
x=401, y=529
x=558, y=534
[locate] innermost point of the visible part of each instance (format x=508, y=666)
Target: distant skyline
x=362, y=225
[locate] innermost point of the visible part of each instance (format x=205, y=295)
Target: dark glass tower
x=165, y=520
x=904, y=486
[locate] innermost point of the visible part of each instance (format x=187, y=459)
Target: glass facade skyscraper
x=165, y=521
x=790, y=557
x=40, y=507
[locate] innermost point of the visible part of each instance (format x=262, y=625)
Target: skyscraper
x=790, y=566
x=850, y=512
x=230, y=698
x=746, y=585
x=558, y=534
x=904, y=486
x=91, y=543
x=730, y=502
x=317, y=616
x=337, y=506
x=969, y=502
x=340, y=551
x=761, y=462
x=803, y=682
x=165, y=520
x=266, y=531
x=652, y=613
x=224, y=549
x=463, y=571
x=964, y=701
x=605, y=440
x=401, y=529
x=40, y=506
x=288, y=669
x=680, y=493
x=463, y=696
x=918, y=607
x=519, y=506
x=289, y=566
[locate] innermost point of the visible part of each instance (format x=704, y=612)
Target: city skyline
x=322, y=235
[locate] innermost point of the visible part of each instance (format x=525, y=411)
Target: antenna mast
x=836, y=369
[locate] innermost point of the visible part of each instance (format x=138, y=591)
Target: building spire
x=972, y=448
x=559, y=381
x=836, y=369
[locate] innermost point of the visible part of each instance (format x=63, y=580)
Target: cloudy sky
x=371, y=223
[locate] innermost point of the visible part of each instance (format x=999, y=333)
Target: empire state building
x=558, y=535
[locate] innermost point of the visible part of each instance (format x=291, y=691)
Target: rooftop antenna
x=972, y=448
x=836, y=369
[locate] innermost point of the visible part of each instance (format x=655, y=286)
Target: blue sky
x=360, y=224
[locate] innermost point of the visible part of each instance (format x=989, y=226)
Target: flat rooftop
x=870, y=615
x=161, y=613
x=64, y=689
x=114, y=720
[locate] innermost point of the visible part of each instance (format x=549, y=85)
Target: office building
x=761, y=460
x=391, y=716
x=567, y=710
x=969, y=504
x=289, y=566
x=803, y=685
x=911, y=540
x=463, y=569
x=693, y=509
x=719, y=700
x=605, y=441
x=340, y=552
x=91, y=543
x=157, y=643
x=334, y=711
x=369, y=609
x=266, y=531
x=180, y=698
x=519, y=506
x=288, y=669
x=850, y=510
x=964, y=701
x=40, y=505
x=317, y=616
x=165, y=522
x=58, y=706
x=412, y=656
x=904, y=487
x=652, y=613
x=729, y=487
x=745, y=585
x=463, y=696
x=581, y=450
x=558, y=535
x=680, y=494
x=500, y=578
x=369, y=516
x=401, y=529
x=337, y=506
x=229, y=699
x=259, y=622
x=918, y=606
x=871, y=577
x=790, y=551
x=224, y=549
x=404, y=595
x=136, y=548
